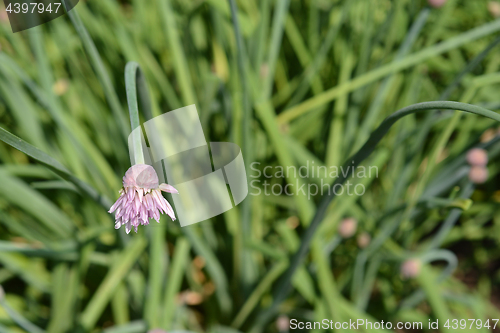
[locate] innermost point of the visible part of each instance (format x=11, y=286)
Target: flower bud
x=364, y=240
x=436, y=3
x=410, y=268
x=477, y=157
x=283, y=323
x=347, y=227
x=478, y=174
x=494, y=8
x=157, y=330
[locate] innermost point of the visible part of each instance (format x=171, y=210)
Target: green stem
x=102, y=74
x=246, y=260
x=284, y=285
x=135, y=81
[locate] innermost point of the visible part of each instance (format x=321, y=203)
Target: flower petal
x=168, y=188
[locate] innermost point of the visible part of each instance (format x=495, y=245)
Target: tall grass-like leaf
x=53, y=165
x=275, y=45
x=283, y=287
x=180, y=67
x=174, y=279
x=248, y=267
x=116, y=274
x=382, y=71
x=19, y=194
x=101, y=72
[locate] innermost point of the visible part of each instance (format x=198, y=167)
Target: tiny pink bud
x=494, y=8
x=347, y=227
x=478, y=174
x=264, y=71
x=283, y=323
x=364, y=240
x=410, y=268
x=477, y=156
x=4, y=17
x=436, y=3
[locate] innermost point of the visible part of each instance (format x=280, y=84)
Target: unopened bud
x=494, y=8
x=477, y=156
x=347, y=227
x=410, y=268
x=436, y=3
x=157, y=330
x=364, y=240
x=478, y=174
x=283, y=323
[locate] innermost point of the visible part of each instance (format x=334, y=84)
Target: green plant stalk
x=432, y=255
x=376, y=106
x=248, y=274
x=436, y=301
x=53, y=165
x=120, y=305
x=213, y=267
x=102, y=74
x=179, y=58
x=312, y=70
x=335, y=92
x=134, y=80
x=157, y=269
x=116, y=274
x=436, y=151
x=275, y=45
x=18, y=318
x=282, y=288
x=179, y=262
x=258, y=292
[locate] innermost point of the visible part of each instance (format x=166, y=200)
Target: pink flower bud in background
x=494, y=8
x=347, y=227
x=410, y=268
x=478, y=174
x=157, y=330
x=364, y=240
x=283, y=323
x=477, y=157
x=264, y=71
x=436, y=3
x=4, y=17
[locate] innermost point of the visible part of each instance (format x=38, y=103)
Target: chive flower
x=141, y=198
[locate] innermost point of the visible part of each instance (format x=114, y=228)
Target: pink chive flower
x=141, y=199
x=477, y=156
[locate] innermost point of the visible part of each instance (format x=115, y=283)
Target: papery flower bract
x=141, y=199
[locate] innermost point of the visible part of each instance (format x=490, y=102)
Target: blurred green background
x=309, y=82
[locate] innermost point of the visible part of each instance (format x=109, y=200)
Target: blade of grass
x=174, y=280
x=53, y=165
x=101, y=72
x=282, y=288
x=249, y=272
x=274, y=46
x=358, y=82
x=179, y=58
x=116, y=274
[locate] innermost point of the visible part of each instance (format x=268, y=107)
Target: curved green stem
x=135, y=81
x=433, y=255
x=284, y=284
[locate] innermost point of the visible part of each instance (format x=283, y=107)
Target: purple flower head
x=141, y=199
